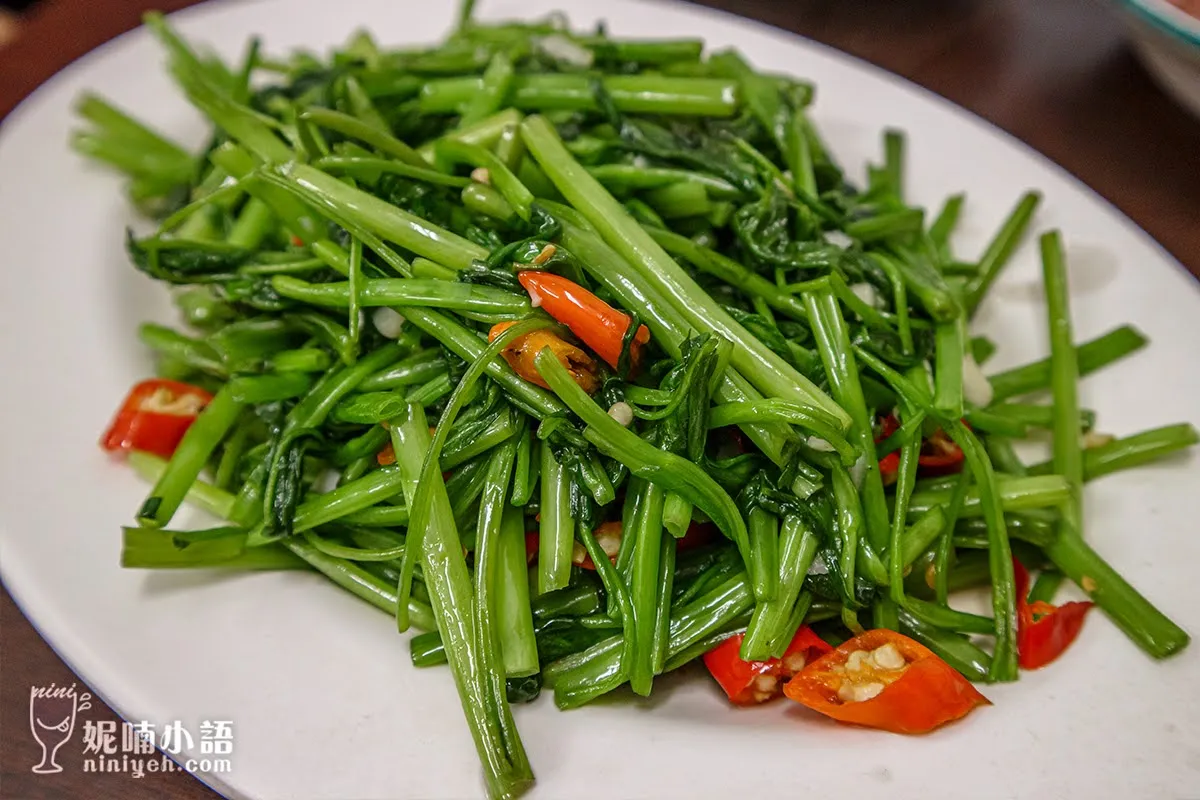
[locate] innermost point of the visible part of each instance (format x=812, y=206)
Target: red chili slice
x=1044, y=630
x=754, y=682
x=155, y=416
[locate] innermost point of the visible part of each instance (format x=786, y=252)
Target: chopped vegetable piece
x=608, y=536
x=939, y=455
x=889, y=465
x=596, y=323
x=1044, y=630
x=883, y=679
x=521, y=352
x=753, y=682
x=154, y=417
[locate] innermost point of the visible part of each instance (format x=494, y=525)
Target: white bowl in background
x=1168, y=40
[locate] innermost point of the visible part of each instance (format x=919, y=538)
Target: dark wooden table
x=1058, y=74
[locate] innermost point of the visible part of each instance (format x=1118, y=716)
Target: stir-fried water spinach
x=581, y=356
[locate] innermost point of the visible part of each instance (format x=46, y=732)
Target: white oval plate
x=324, y=702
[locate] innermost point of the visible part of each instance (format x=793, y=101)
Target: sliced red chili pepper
x=939, y=455
x=1044, y=630
x=596, y=323
x=887, y=426
x=889, y=465
x=155, y=416
x=884, y=680
x=751, y=682
x=532, y=543
x=608, y=536
x=522, y=351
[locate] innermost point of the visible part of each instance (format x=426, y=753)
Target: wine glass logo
x=52, y=711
